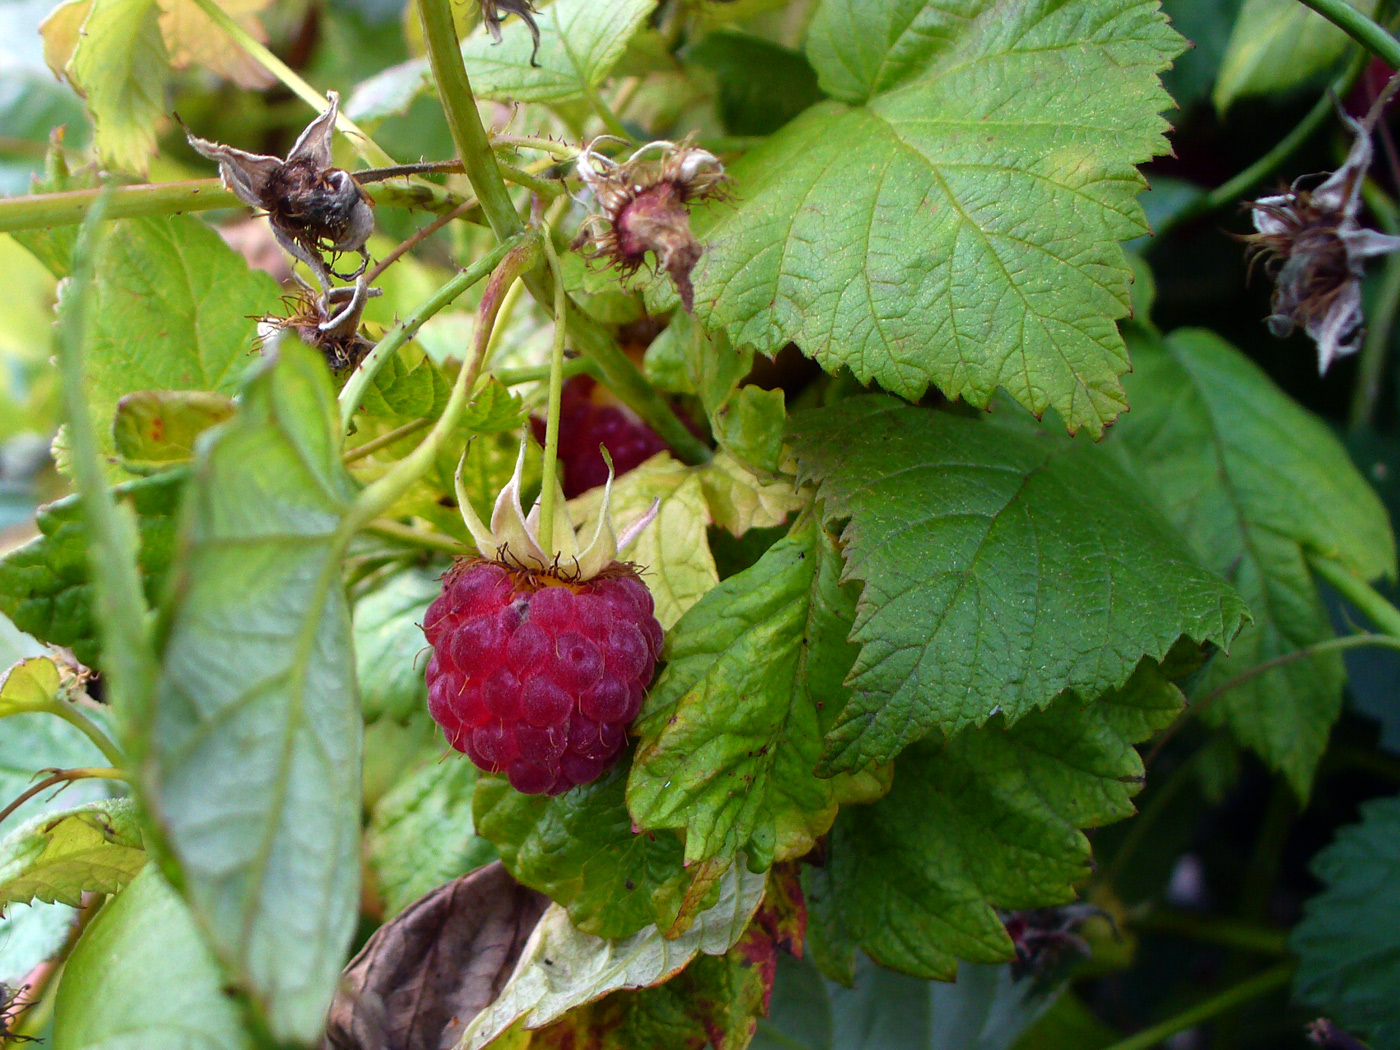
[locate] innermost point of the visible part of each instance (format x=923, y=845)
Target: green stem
x=562, y=150
x=380, y=496
x=365, y=146
x=1228, y=192
x=1370, y=35
x=549, y=467
x=68, y=711
x=433, y=541
x=129, y=659
x=610, y=119
x=617, y=370
x=1375, y=351
x=401, y=333
x=1361, y=594
x=1227, y=932
x=517, y=376
x=1254, y=988
x=63, y=776
x=45, y=210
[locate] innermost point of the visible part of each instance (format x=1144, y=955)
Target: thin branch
x=1370, y=35
x=369, y=448
x=419, y=237
x=63, y=776
x=1246, y=991
x=433, y=541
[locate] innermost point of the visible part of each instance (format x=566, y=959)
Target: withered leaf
x=422, y=977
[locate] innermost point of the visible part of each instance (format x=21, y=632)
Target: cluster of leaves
x=911, y=646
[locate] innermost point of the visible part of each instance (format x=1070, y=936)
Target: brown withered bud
x=1315, y=249
x=645, y=204
x=336, y=335
x=314, y=209
x=493, y=12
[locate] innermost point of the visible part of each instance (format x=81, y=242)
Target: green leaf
x=733, y=729
x=1002, y=566
x=421, y=834
x=990, y=820
x=57, y=857
x=172, y=307
x=580, y=42
x=108, y=998
x=402, y=393
x=1255, y=483
x=156, y=429
x=46, y=585
x=580, y=849
x=28, y=685
x=750, y=425
x=563, y=967
x=255, y=740
x=673, y=552
x=387, y=634
x=1278, y=45
x=761, y=85
x=117, y=61
x=739, y=499
x=1348, y=942
x=953, y=219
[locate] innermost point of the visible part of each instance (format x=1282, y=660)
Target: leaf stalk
x=1365, y=31
x=1254, y=988
x=1361, y=594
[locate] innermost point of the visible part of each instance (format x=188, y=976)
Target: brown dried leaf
x=422, y=977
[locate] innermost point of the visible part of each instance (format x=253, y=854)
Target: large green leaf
x=990, y=820
x=954, y=218
x=1002, y=566
x=112, y=994
x=421, y=834
x=1255, y=483
x=114, y=55
x=580, y=41
x=390, y=647
x=563, y=967
x=733, y=729
x=46, y=585
x=57, y=857
x=172, y=307
x=255, y=743
x=580, y=849
x=1348, y=943
x=1277, y=45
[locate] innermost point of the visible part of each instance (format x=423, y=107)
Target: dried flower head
x=645, y=207
x=1043, y=935
x=313, y=208
x=336, y=335
x=514, y=537
x=1315, y=249
x=493, y=12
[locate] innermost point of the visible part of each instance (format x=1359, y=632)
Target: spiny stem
x=406, y=329
x=556, y=394
x=1366, y=32
x=130, y=660
x=1254, y=988
x=522, y=255
x=1229, y=192
x=364, y=145
x=1360, y=593
x=63, y=776
x=562, y=150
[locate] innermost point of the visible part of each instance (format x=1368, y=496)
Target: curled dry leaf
x=421, y=978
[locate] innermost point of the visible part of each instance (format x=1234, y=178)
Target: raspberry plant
x=713, y=555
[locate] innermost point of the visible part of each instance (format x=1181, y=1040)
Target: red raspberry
x=537, y=676
x=584, y=424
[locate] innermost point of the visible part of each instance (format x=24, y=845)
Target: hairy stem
x=63, y=776
x=406, y=329
x=1246, y=991
x=365, y=146
x=130, y=661
x=377, y=498
x=1361, y=594
x=1366, y=32
x=463, y=120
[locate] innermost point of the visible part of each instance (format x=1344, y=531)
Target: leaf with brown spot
x=421, y=978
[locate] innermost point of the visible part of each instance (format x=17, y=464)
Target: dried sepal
x=1314, y=247
x=330, y=323
x=494, y=12
x=645, y=207
x=513, y=537
x=313, y=208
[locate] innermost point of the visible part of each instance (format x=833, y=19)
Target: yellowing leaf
x=28, y=685
x=740, y=500
x=57, y=857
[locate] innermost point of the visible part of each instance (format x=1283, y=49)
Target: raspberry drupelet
x=540, y=660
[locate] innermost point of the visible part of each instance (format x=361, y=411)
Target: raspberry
x=584, y=425
x=538, y=675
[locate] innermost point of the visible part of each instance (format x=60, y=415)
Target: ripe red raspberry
x=584, y=424
x=539, y=676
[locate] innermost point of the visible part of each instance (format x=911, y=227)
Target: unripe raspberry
x=540, y=660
